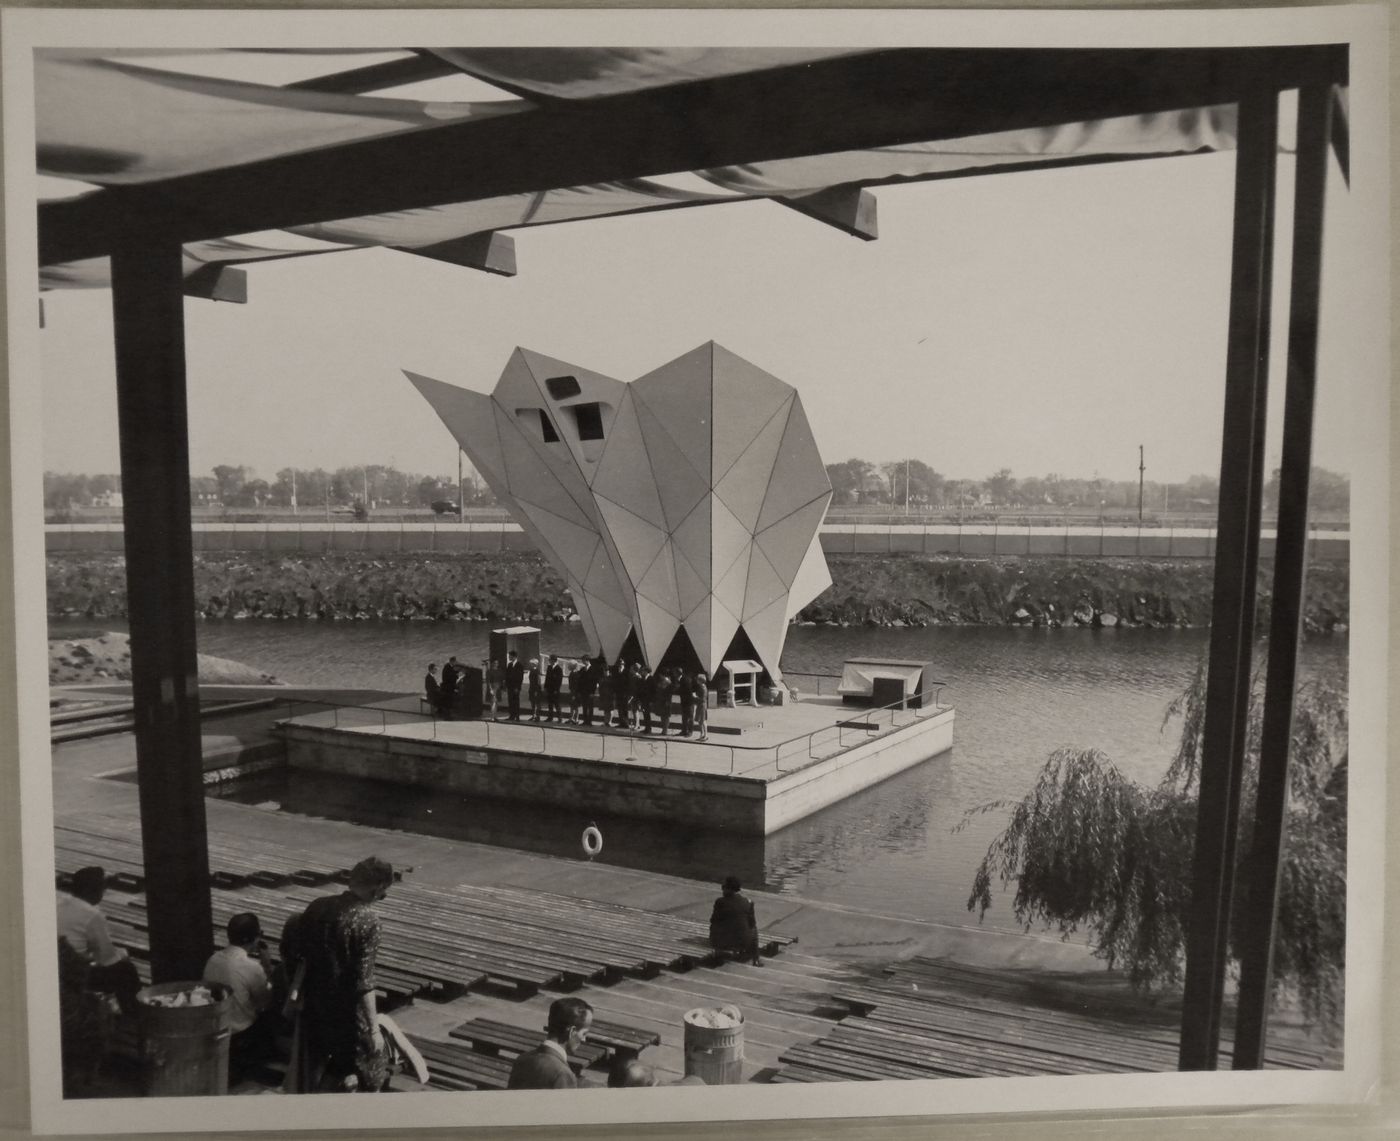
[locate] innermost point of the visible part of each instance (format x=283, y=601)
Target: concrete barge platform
x=758, y=770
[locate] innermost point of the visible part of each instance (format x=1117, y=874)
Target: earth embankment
x=882, y=590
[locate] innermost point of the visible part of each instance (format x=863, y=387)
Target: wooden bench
x=454, y=1067
x=488, y=1036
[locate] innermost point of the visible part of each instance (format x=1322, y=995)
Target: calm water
x=1019, y=694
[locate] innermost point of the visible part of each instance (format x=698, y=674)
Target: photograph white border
x=1363, y=28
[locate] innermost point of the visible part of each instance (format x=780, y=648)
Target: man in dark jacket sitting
x=547, y=1065
x=733, y=926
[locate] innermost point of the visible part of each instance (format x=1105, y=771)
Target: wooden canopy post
x=1260, y=900
x=149, y=334
x=1236, y=568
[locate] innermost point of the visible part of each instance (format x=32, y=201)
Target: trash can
x=714, y=1045
x=184, y=1039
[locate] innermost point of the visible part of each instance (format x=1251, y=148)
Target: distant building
x=108, y=499
x=682, y=509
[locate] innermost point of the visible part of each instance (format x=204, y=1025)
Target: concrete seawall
x=319, y=537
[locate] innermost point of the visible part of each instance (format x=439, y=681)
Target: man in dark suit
x=447, y=691
x=432, y=688
x=685, y=690
x=733, y=925
x=515, y=678
x=547, y=1065
x=553, y=683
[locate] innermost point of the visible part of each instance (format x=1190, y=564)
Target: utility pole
x=294, y=491
x=461, y=499
x=1142, y=470
x=906, y=487
x=365, y=471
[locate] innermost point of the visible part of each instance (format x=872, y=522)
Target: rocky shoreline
x=105, y=656
x=866, y=590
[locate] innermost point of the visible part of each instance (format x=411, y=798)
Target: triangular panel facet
x=729, y=539
x=678, y=395
x=745, y=485
x=679, y=485
x=613, y=627
x=659, y=583
x=723, y=625
x=624, y=472
x=767, y=630
x=798, y=475
x=813, y=577
x=636, y=540
x=745, y=399
x=785, y=543
x=697, y=628
x=574, y=545
x=692, y=540
x=733, y=584
x=763, y=586
x=658, y=628
x=691, y=588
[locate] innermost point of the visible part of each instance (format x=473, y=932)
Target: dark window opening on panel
x=547, y=429
x=562, y=387
x=588, y=419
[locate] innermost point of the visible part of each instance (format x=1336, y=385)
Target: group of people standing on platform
x=625, y=695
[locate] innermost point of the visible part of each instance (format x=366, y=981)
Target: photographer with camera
x=245, y=968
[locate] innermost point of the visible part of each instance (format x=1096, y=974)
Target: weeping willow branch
x=1089, y=849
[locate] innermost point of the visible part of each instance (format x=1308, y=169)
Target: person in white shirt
x=84, y=927
x=245, y=968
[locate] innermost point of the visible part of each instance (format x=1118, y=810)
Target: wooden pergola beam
x=877, y=99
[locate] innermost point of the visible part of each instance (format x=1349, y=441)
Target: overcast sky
x=1045, y=322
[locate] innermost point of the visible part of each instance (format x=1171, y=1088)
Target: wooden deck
x=472, y=970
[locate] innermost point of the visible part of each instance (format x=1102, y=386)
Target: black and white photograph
x=583, y=557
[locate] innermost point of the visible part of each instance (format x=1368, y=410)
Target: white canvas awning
x=107, y=121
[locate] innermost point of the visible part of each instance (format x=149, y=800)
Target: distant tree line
x=858, y=481
x=367, y=485
x=853, y=481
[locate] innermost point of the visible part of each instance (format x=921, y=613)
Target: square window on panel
x=562, y=387
x=588, y=419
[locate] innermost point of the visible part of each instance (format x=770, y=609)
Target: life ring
x=592, y=841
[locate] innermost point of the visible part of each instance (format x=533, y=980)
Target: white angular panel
x=745, y=485
x=745, y=399
x=679, y=485
x=585, y=614
x=691, y=588
x=679, y=395
x=468, y=417
x=624, y=473
x=763, y=586
x=733, y=583
x=723, y=627
x=697, y=629
x=602, y=578
x=785, y=543
x=637, y=540
x=798, y=476
x=728, y=539
x=658, y=628
x=612, y=625
x=813, y=577
x=658, y=584
x=767, y=630
x=573, y=544
x=692, y=539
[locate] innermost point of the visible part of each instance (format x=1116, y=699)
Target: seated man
x=245, y=968
x=547, y=1065
x=84, y=926
x=733, y=926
